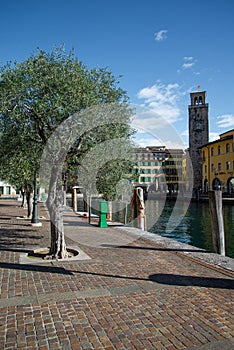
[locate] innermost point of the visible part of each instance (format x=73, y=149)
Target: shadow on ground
x=161, y=278
x=180, y=280
x=40, y=268
x=177, y=280
x=153, y=248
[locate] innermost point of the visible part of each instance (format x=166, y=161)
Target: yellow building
x=218, y=164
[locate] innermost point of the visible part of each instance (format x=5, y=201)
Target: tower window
x=198, y=125
x=196, y=101
x=200, y=100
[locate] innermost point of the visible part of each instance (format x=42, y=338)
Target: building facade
x=198, y=133
x=218, y=164
x=6, y=189
x=158, y=169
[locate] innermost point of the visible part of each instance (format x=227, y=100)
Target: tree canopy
x=42, y=93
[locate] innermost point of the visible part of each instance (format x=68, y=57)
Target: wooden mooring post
x=74, y=199
x=139, y=209
x=216, y=212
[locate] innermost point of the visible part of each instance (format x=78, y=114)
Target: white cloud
x=161, y=35
x=213, y=136
x=185, y=132
x=188, y=65
x=162, y=100
x=154, y=118
x=188, y=58
x=146, y=139
x=225, y=121
x=189, y=62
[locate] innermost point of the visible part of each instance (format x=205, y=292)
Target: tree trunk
x=85, y=202
x=29, y=203
x=23, y=204
x=58, y=248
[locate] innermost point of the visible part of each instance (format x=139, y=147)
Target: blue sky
x=162, y=50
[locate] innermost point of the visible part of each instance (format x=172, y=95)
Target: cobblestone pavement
x=123, y=294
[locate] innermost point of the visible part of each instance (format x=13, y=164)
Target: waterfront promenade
x=126, y=290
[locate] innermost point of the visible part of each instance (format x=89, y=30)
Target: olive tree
x=39, y=98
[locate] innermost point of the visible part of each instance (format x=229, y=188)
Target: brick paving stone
x=135, y=296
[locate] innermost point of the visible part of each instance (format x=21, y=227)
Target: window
x=203, y=155
x=205, y=168
x=219, y=166
x=219, y=150
x=228, y=166
x=198, y=125
x=212, y=151
x=212, y=167
x=227, y=148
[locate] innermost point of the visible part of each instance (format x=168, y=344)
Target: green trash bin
x=43, y=197
x=103, y=211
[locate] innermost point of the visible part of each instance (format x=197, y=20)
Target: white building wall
x=6, y=189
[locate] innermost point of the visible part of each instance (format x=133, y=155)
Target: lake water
x=192, y=227
x=195, y=226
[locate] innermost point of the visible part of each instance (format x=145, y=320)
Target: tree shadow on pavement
x=180, y=280
x=177, y=280
x=36, y=268
x=15, y=249
x=18, y=237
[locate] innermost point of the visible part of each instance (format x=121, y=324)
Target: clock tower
x=198, y=133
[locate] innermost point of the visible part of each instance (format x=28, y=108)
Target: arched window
x=212, y=151
x=195, y=101
x=219, y=150
x=227, y=148
x=200, y=100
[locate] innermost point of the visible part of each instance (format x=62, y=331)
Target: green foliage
x=39, y=94
x=112, y=180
